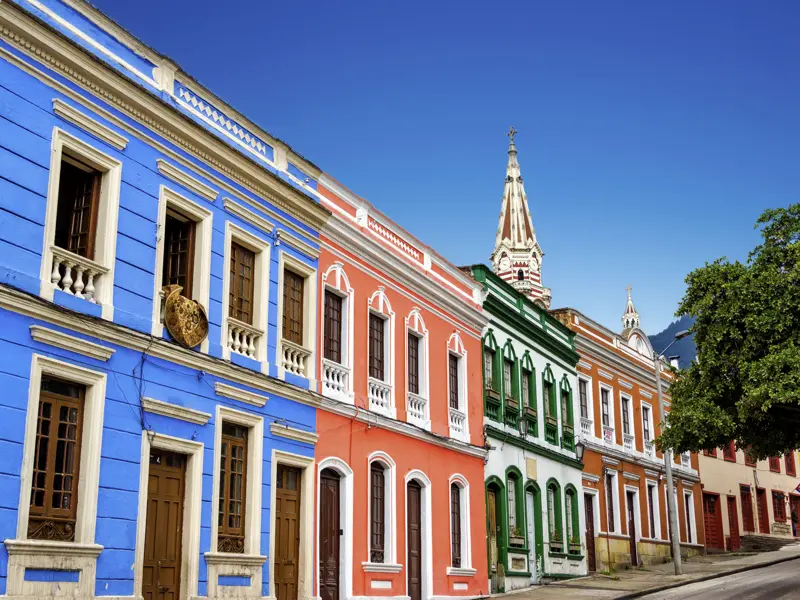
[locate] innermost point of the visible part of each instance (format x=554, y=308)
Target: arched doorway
x=329, y=539
x=533, y=512
x=495, y=528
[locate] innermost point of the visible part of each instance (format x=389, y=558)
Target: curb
x=663, y=588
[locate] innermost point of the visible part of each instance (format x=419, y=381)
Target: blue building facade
x=130, y=464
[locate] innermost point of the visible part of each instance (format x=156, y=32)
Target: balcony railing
x=243, y=338
x=551, y=431
x=650, y=449
x=458, y=424
x=335, y=378
x=294, y=358
x=567, y=437
x=608, y=435
x=627, y=441
x=417, y=409
x=587, y=427
x=75, y=275
x=380, y=396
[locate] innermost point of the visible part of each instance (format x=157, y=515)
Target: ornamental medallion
x=185, y=319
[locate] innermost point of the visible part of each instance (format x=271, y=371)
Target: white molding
x=247, y=215
x=167, y=409
x=610, y=461
x=582, y=363
x=309, y=273
x=651, y=473
x=461, y=572
x=625, y=384
x=369, y=567
x=228, y=558
x=335, y=280
x=630, y=476
x=95, y=128
x=190, y=183
x=71, y=343
x=51, y=548
x=298, y=244
x=292, y=433
x=604, y=374
x=234, y=393
x=590, y=477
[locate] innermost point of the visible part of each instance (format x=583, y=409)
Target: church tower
x=630, y=318
x=517, y=256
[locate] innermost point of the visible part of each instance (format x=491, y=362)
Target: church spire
x=630, y=318
x=517, y=256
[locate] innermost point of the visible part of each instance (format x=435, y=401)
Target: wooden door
x=632, y=526
x=530, y=512
x=589, y=509
x=491, y=514
x=329, y=535
x=733, y=523
x=712, y=522
x=161, y=570
x=414, y=540
x=287, y=532
x=747, y=509
x=795, y=508
x=763, y=513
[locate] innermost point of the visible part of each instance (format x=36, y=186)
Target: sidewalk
x=633, y=583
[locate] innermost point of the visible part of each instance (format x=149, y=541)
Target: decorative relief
x=185, y=319
x=232, y=544
x=390, y=236
x=41, y=529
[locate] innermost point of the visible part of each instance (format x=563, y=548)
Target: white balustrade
x=458, y=423
x=650, y=448
x=335, y=378
x=294, y=358
x=627, y=441
x=587, y=427
x=75, y=275
x=243, y=338
x=417, y=408
x=608, y=434
x=380, y=395
x=686, y=460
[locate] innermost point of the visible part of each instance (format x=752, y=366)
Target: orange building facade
x=624, y=489
x=400, y=451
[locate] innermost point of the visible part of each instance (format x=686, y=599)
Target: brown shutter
x=240, y=295
x=377, y=512
x=413, y=363
x=293, y=307
x=455, y=524
x=178, y=252
x=232, y=488
x=453, y=373
x=332, y=327
x=76, y=213
x=376, y=333
x=57, y=455
x=747, y=509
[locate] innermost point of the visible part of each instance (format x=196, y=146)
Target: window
x=610, y=482
x=508, y=370
x=687, y=505
x=377, y=513
x=729, y=451
x=377, y=327
x=584, y=397
x=455, y=524
x=178, y=261
x=774, y=464
x=604, y=407
x=232, y=488
x=512, y=504
x=788, y=459
x=712, y=452
x=651, y=509
x=565, y=402
x=453, y=368
x=549, y=397
x=568, y=507
x=573, y=522
x=646, y=423
x=333, y=327
x=551, y=512
x=554, y=518
x=626, y=418
x=293, y=285
x=488, y=368
x=526, y=388
x=413, y=363
x=78, y=202
x=520, y=275
x=778, y=506
x=240, y=294
x=749, y=460
x=56, y=461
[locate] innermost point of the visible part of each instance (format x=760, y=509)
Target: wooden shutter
x=774, y=464
x=56, y=461
x=778, y=506
x=293, y=285
x=687, y=509
x=747, y=509
x=377, y=513
x=788, y=458
x=376, y=349
x=232, y=488
x=413, y=363
x=76, y=213
x=240, y=294
x=178, y=252
x=453, y=374
x=333, y=327
x=455, y=524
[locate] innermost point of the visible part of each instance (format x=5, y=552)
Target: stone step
x=764, y=543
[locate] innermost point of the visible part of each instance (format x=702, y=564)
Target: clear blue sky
x=652, y=134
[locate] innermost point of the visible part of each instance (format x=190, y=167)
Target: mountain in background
x=684, y=348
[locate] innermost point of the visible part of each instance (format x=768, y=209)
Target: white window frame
x=611, y=411
x=309, y=273
x=201, y=270
x=637, y=510
x=415, y=325
x=595, y=494
x=629, y=412
x=614, y=501
x=261, y=248
x=677, y=508
x=455, y=347
x=651, y=437
x=335, y=280
x=655, y=528
x=107, y=215
x=379, y=305
x=389, y=564
x=589, y=397
x=466, y=538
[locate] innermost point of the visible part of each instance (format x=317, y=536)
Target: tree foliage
x=745, y=385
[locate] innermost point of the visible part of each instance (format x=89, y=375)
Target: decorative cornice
x=234, y=393
x=610, y=461
x=631, y=476
x=247, y=215
x=461, y=571
x=94, y=127
x=190, y=183
x=590, y=477
x=52, y=548
x=625, y=384
x=298, y=244
x=230, y=558
x=543, y=451
x=604, y=374
x=651, y=473
x=292, y=433
x=381, y=567
x=584, y=365
x=167, y=409
x=71, y=343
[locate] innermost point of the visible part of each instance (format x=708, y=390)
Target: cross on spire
x=629, y=288
x=511, y=133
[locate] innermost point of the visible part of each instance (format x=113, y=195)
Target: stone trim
x=298, y=244
x=71, y=343
x=381, y=567
x=234, y=393
x=461, y=572
x=167, y=409
x=85, y=122
x=190, y=183
x=247, y=215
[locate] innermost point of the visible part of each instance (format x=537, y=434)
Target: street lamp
x=580, y=448
x=674, y=532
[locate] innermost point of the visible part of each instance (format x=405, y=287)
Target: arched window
x=567, y=430
x=554, y=519
x=380, y=354
x=491, y=377
x=381, y=508
x=516, y=507
x=550, y=406
x=337, y=334
x=528, y=395
x=460, y=554
x=573, y=526
x=520, y=275
x=417, y=386
x=511, y=393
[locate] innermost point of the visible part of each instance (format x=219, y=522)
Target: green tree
x=745, y=385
